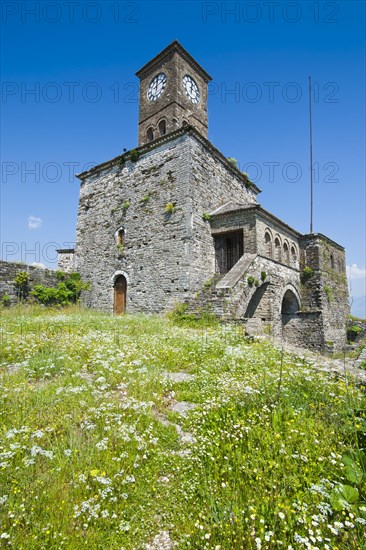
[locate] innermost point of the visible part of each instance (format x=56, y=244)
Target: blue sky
x=69, y=99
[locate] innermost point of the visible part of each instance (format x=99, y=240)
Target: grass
x=90, y=456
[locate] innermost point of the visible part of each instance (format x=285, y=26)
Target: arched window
x=331, y=261
x=150, y=134
x=293, y=256
x=162, y=127
x=268, y=243
x=184, y=123
x=286, y=253
x=120, y=237
x=277, y=244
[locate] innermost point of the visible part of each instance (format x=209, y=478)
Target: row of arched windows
x=153, y=133
x=281, y=251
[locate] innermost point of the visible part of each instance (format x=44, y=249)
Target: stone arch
x=185, y=122
x=268, y=242
x=290, y=320
x=290, y=302
x=286, y=253
x=162, y=127
x=150, y=133
x=118, y=273
x=277, y=248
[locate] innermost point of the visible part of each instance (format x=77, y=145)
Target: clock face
x=191, y=89
x=156, y=87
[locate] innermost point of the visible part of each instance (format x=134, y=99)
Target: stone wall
x=37, y=276
x=166, y=256
x=288, y=251
x=66, y=260
x=325, y=289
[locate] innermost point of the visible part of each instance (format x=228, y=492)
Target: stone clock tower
x=173, y=93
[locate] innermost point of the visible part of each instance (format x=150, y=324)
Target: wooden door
x=120, y=288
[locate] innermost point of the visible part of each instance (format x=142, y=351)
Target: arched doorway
x=290, y=304
x=120, y=290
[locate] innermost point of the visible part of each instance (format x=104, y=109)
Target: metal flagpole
x=311, y=159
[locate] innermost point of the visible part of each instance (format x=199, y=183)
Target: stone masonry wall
x=165, y=256
x=66, y=261
x=37, y=276
x=212, y=185
x=326, y=288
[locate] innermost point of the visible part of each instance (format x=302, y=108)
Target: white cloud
x=34, y=223
x=356, y=272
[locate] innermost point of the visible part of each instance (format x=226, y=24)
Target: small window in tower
x=120, y=237
x=331, y=261
x=150, y=134
x=162, y=127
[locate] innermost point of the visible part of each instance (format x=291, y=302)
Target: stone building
x=175, y=221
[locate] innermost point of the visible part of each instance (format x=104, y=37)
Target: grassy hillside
x=133, y=433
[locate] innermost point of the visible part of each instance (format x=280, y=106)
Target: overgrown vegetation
x=21, y=284
x=134, y=155
x=94, y=454
x=250, y=280
x=66, y=292
x=169, y=208
x=353, y=332
x=328, y=291
x=306, y=274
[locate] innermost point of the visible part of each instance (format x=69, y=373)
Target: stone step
x=236, y=273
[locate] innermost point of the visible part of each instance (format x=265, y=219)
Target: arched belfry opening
x=120, y=293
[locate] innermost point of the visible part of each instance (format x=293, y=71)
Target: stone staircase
x=226, y=295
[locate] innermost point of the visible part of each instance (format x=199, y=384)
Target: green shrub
x=67, y=292
x=180, y=316
x=263, y=276
x=353, y=332
x=233, y=161
x=60, y=275
x=21, y=284
x=306, y=274
x=5, y=300
x=328, y=291
x=250, y=280
x=169, y=208
x=206, y=217
x=134, y=155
